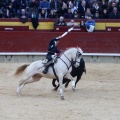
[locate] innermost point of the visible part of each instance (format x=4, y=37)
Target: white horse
x=34, y=70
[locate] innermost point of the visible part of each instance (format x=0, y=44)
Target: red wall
x=35, y=41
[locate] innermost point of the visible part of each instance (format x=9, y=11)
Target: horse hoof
x=54, y=89
x=73, y=88
x=66, y=86
x=62, y=97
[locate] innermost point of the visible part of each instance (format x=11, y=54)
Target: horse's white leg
x=30, y=80
x=21, y=85
x=72, y=79
x=60, y=77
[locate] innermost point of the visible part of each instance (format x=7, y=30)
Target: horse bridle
x=77, y=54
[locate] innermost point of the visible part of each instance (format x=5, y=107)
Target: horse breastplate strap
x=66, y=64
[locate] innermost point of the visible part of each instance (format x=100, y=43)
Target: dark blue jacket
x=52, y=48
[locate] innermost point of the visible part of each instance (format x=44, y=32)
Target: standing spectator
x=45, y=5
x=68, y=14
x=60, y=22
x=90, y=24
x=82, y=9
x=114, y=14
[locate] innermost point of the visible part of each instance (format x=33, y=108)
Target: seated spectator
x=111, y=6
x=23, y=16
x=62, y=10
x=60, y=22
x=88, y=13
x=90, y=24
x=96, y=11
x=104, y=14
x=103, y=4
x=68, y=14
x=45, y=5
x=52, y=14
x=72, y=23
x=55, y=5
x=114, y=14
x=75, y=14
x=43, y=14
x=118, y=6
x=72, y=7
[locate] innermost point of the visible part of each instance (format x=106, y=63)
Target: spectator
x=52, y=14
x=90, y=24
x=7, y=14
x=68, y=14
x=118, y=6
x=60, y=22
x=104, y=14
x=12, y=6
x=62, y=10
x=55, y=5
x=111, y=6
x=72, y=7
x=72, y=23
x=103, y=4
x=96, y=10
x=23, y=16
x=45, y=5
x=33, y=5
x=88, y=13
x=43, y=14
x=114, y=14
x=82, y=9
x=75, y=14
x=34, y=19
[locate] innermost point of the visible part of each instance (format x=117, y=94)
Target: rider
x=52, y=50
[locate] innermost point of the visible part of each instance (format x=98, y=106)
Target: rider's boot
x=46, y=69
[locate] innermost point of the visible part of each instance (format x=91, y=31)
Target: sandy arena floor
x=97, y=96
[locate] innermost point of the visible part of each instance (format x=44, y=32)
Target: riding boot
x=46, y=69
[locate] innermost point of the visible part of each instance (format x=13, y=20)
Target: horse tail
x=21, y=69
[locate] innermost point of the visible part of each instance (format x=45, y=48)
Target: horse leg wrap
x=73, y=83
x=61, y=91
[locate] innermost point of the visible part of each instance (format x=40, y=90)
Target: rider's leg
x=49, y=59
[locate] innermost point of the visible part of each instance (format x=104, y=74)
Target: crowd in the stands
x=69, y=9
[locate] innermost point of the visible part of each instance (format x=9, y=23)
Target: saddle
x=54, y=60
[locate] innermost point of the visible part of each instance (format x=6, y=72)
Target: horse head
x=78, y=56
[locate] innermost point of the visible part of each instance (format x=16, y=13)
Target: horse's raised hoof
x=66, y=85
x=62, y=97
x=18, y=91
x=54, y=89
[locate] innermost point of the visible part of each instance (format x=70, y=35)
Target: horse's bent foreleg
x=66, y=85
